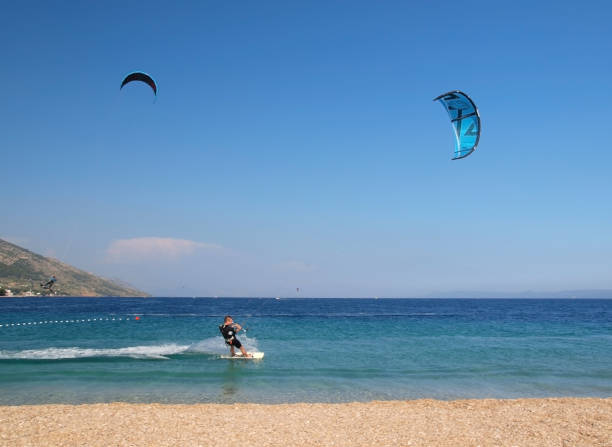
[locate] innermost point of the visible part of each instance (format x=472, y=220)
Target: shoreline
x=485, y=422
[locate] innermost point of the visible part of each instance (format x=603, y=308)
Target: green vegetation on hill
x=22, y=271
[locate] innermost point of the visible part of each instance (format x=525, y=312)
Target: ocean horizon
x=169, y=350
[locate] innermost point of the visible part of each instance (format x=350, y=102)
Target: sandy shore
x=488, y=422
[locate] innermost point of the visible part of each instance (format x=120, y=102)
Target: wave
x=210, y=346
x=152, y=352
x=216, y=346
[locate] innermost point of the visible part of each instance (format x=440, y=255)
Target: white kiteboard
x=256, y=356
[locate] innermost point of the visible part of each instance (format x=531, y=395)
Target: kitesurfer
x=49, y=284
x=229, y=329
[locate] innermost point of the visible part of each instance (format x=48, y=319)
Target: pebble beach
x=425, y=422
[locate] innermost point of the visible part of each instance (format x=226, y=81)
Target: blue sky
x=296, y=144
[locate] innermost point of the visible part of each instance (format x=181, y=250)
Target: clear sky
x=296, y=144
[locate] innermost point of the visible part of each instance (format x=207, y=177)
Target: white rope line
x=79, y=320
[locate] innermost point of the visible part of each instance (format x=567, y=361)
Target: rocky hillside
x=23, y=271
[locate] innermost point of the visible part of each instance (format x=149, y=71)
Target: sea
x=169, y=350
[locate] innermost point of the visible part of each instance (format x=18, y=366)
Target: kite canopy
x=465, y=120
x=143, y=77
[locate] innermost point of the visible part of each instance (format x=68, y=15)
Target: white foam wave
x=210, y=346
x=213, y=345
x=152, y=352
x=216, y=345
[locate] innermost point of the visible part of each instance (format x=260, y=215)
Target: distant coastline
x=312, y=298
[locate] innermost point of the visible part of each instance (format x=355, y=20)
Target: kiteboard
x=256, y=356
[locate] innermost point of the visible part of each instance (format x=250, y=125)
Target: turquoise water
x=316, y=350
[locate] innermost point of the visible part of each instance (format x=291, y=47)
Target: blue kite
x=465, y=120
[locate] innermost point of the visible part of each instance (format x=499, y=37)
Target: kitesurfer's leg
x=236, y=343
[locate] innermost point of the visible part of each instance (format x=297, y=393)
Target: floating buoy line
x=68, y=321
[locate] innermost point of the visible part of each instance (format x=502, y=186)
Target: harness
x=228, y=333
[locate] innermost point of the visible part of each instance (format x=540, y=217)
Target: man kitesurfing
x=49, y=284
x=229, y=329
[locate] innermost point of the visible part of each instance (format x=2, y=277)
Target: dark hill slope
x=22, y=270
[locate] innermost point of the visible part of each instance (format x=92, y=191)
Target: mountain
x=23, y=271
